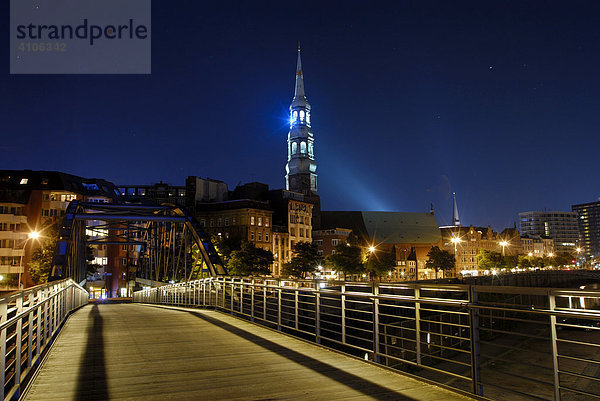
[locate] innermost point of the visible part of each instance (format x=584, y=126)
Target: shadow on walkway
x=348, y=379
x=91, y=383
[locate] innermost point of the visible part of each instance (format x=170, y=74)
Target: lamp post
x=503, y=244
x=578, y=254
x=455, y=241
x=31, y=235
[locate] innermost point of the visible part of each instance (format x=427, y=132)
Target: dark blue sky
x=498, y=101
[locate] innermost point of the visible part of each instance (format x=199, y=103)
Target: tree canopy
x=347, y=259
x=250, y=260
x=305, y=260
x=490, y=260
x=40, y=265
x=439, y=259
x=380, y=262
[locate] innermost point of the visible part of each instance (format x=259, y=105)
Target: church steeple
x=455, y=218
x=301, y=167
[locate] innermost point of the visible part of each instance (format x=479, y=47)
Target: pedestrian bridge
x=256, y=338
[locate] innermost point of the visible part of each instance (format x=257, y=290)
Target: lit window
x=294, y=116
x=24, y=181
x=303, y=148
x=267, y=237
x=251, y=220
x=301, y=115
x=260, y=221
x=294, y=148
x=307, y=117
x=267, y=222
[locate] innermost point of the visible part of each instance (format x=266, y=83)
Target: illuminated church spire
x=301, y=167
x=455, y=218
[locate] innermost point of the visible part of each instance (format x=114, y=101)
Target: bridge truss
x=167, y=242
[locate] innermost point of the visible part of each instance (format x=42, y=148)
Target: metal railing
x=531, y=343
x=28, y=321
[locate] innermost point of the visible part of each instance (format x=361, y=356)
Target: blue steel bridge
x=212, y=336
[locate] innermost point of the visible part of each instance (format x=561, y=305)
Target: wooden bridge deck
x=142, y=352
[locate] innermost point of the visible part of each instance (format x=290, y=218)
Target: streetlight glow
x=371, y=249
x=34, y=235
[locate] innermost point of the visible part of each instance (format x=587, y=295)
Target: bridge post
x=343, y=311
x=18, y=345
x=252, y=302
x=39, y=309
x=232, y=295
x=242, y=296
x=376, y=322
x=278, y=304
x=318, y=313
x=475, y=358
x=30, y=330
x=417, y=293
x=296, y=305
x=3, y=318
x=553, y=337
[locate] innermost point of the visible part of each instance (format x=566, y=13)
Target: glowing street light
x=455, y=241
x=31, y=235
x=551, y=254
x=530, y=254
x=371, y=249
x=34, y=235
x=503, y=244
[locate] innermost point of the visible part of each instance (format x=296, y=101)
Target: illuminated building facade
x=32, y=200
x=562, y=227
x=588, y=219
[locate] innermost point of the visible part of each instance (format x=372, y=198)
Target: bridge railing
x=28, y=321
x=493, y=341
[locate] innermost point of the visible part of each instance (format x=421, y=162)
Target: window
x=251, y=235
x=219, y=222
x=24, y=181
x=294, y=148
x=124, y=261
x=123, y=247
x=233, y=221
x=212, y=223
x=260, y=221
x=203, y=223
x=141, y=191
x=266, y=237
x=259, y=236
x=294, y=116
x=303, y=148
x=335, y=242
x=301, y=115
x=226, y=222
x=292, y=231
x=308, y=117
x=251, y=220
x=266, y=222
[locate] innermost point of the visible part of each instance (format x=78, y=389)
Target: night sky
x=497, y=101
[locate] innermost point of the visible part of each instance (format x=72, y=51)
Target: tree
x=511, y=261
x=40, y=265
x=440, y=259
x=524, y=261
x=305, y=260
x=562, y=259
x=250, y=260
x=379, y=263
x=347, y=259
x=490, y=260
x=225, y=246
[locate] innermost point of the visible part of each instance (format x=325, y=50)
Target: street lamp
x=503, y=244
x=371, y=249
x=31, y=235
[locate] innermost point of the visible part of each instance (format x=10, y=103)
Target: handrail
x=436, y=335
x=29, y=320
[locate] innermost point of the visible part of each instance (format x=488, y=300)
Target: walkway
x=141, y=352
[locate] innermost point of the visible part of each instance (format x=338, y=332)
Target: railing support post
x=318, y=313
x=376, y=322
x=418, y=324
x=475, y=358
x=343, y=309
x=552, y=305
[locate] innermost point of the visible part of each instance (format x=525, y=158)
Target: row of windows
x=295, y=219
x=144, y=192
x=301, y=232
x=52, y=212
x=259, y=236
x=8, y=243
x=303, y=148
x=10, y=227
x=14, y=210
x=59, y=197
x=302, y=115
x=259, y=221
x=10, y=260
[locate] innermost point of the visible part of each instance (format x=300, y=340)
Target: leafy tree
x=562, y=259
x=305, y=260
x=225, y=246
x=347, y=259
x=440, y=259
x=250, y=260
x=40, y=265
x=524, y=261
x=511, y=261
x=490, y=260
x=379, y=263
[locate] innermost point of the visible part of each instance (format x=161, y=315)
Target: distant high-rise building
x=589, y=227
x=560, y=226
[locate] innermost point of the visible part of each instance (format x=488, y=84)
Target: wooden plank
x=131, y=351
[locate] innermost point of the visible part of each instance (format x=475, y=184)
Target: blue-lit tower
x=301, y=168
